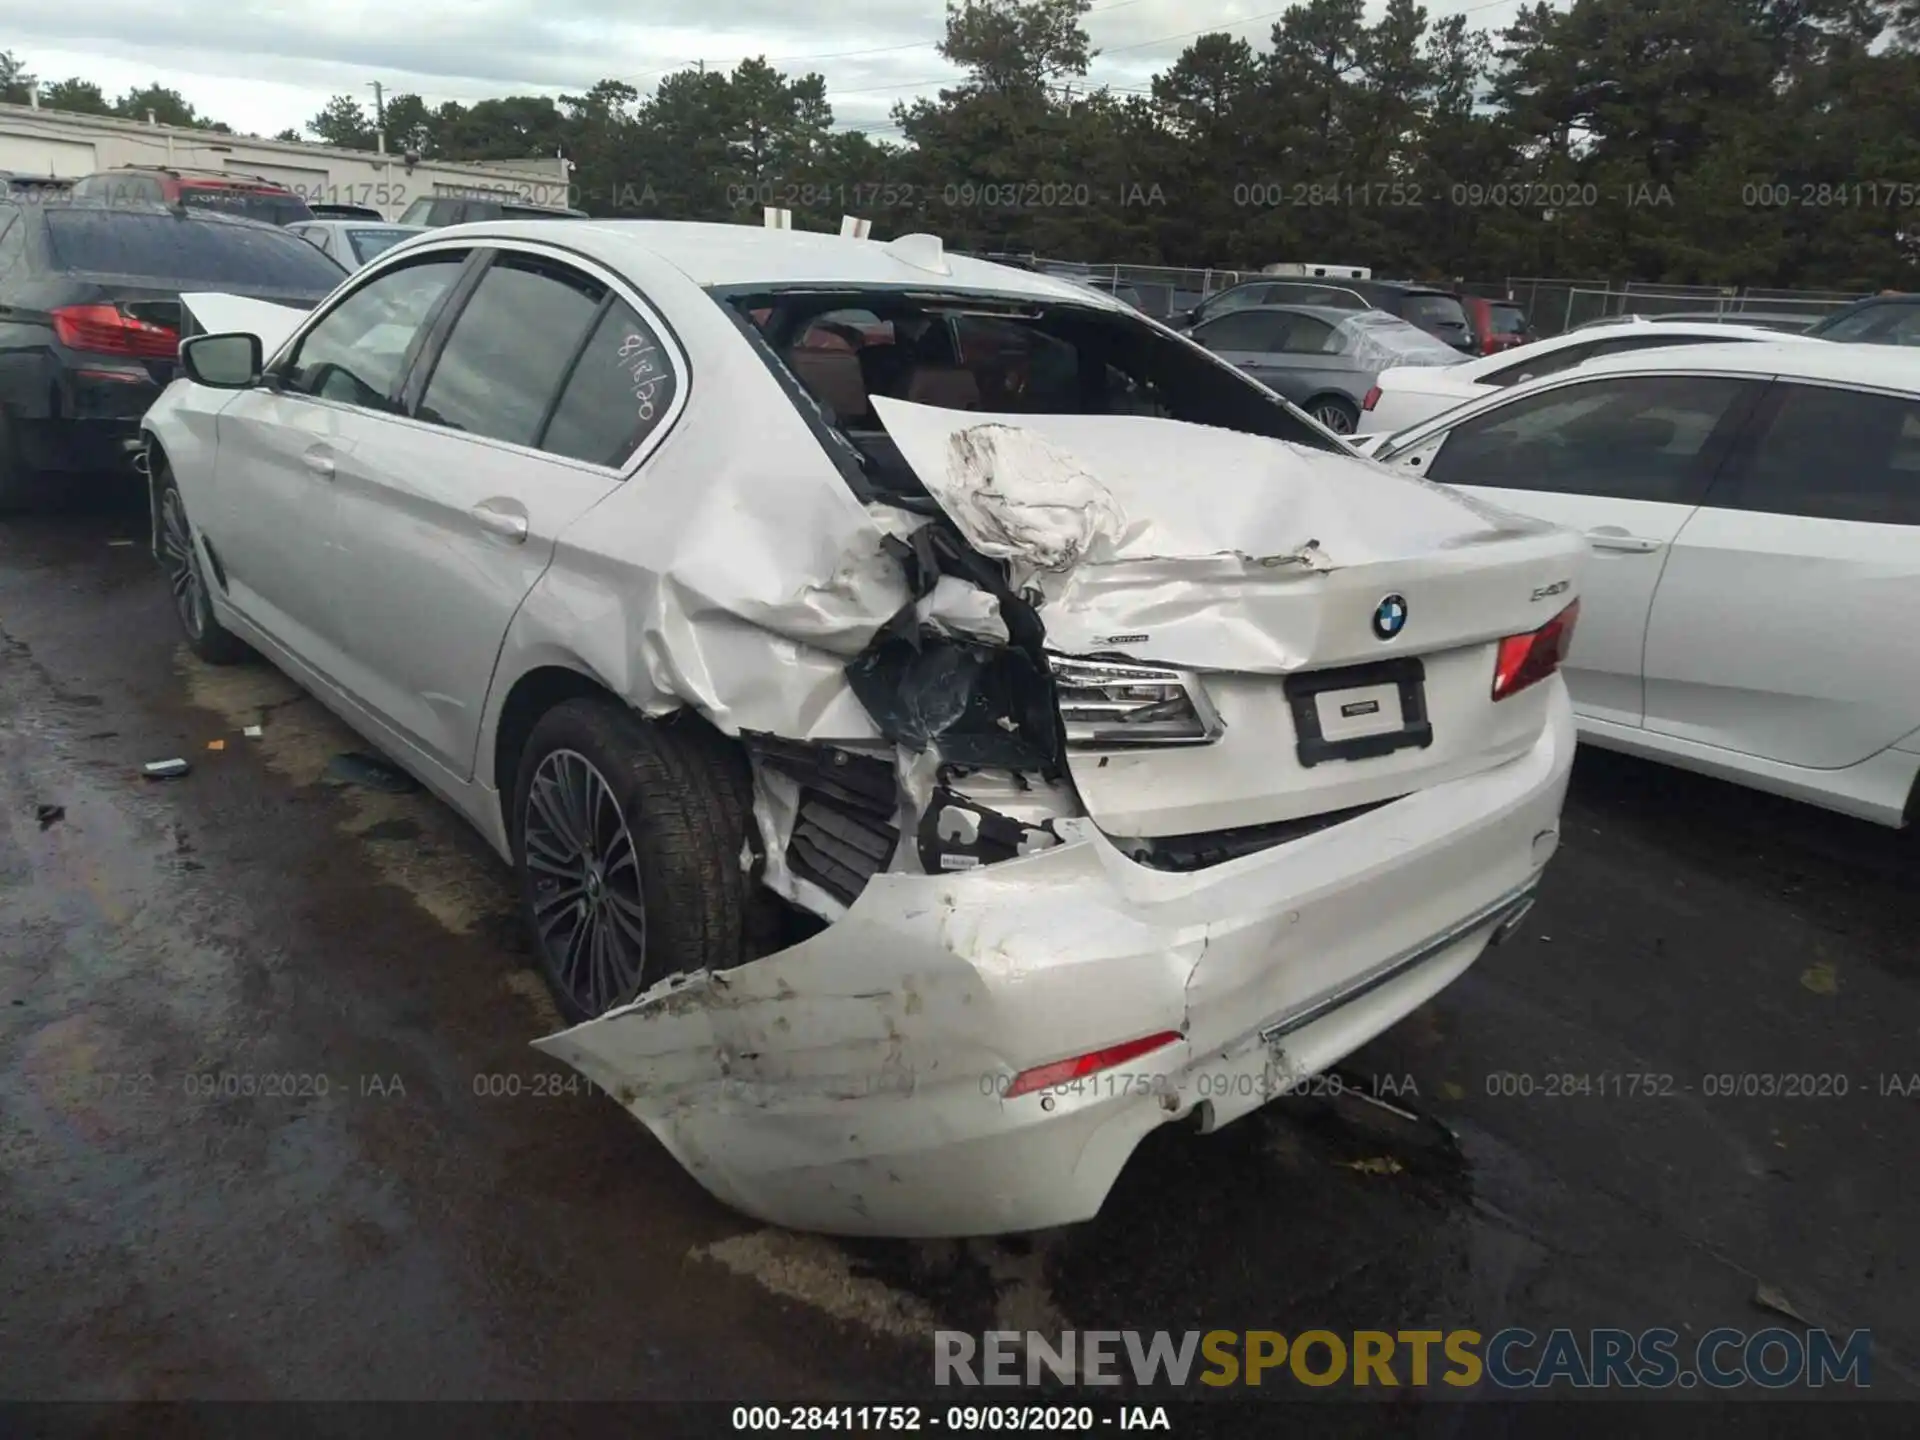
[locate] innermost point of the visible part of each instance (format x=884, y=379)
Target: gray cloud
x=468, y=51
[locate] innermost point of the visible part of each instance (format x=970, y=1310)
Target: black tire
x=681, y=797
x=21, y=489
x=186, y=580
x=1336, y=414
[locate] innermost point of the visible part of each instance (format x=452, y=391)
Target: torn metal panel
x=855, y=1083
x=1234, y=549
x=222, y=314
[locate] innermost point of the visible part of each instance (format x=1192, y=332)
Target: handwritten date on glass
x=639, y=354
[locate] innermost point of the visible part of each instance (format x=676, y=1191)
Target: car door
x=1302, y=360
x=1249, y=340
x=1779, y=629
x=453, y=513
x=1625, y=459
x=284, y=446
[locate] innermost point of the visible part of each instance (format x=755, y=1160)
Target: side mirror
x=222, y=362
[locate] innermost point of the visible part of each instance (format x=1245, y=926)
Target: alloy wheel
x=589, y=910
x=182, y=564
x=1334, y=417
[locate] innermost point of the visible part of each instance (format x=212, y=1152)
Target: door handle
x=503, y=523
x=320, y=462
x=1611, y=539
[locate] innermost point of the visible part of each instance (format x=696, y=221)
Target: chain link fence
x=1556, y=306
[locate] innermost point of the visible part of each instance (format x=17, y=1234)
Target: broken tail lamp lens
x=1065, y=1072
x=1527, y=659
x=1373, y=398
x=1107, y=704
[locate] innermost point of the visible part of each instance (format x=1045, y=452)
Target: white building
x=58, y=145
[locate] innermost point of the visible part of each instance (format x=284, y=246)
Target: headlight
x=1109, y=704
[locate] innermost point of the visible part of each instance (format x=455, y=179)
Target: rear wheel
x=627, y=838
x=1337, y=415
x=186, y=580
x=20, y=487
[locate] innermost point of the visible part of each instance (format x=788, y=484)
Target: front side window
x=1833, y=454
x=356, y=352
x=510, y=349
x=1637, y=438
x=1257, y=330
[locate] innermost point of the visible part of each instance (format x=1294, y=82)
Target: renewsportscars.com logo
x=1512, y=1359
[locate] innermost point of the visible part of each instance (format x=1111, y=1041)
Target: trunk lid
x=1258, y=568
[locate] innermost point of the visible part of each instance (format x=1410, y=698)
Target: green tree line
x=1725, y=142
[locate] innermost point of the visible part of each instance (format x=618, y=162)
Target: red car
x=1496, y=325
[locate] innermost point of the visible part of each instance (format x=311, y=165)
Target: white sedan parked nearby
x=929, y=764
x=1406, y=396
x=1754, y=512
x=354, y=243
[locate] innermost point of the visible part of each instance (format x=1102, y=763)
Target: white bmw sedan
x=1410, y=394
x=1754, y=516
x=944, y=726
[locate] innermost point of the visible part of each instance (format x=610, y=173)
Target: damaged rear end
x=1203, y=755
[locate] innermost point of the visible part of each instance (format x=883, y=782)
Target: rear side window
x=510, y=349
x=621, y=391
x=1507, y=319
x=1442, y=310
x=1640, y=438
x=1897, y=323
x=269, y=206
x=1835, y=455
x=164, y=247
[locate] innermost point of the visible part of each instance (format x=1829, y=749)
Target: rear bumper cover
x=855, y=1084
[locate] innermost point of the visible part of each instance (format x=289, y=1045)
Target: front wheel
x=628, y=837
x=1337, y=415
x=180, y=558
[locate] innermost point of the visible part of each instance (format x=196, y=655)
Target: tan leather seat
x=833, y=377
x=951, y=387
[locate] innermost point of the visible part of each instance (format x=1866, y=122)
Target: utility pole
x=379, y=107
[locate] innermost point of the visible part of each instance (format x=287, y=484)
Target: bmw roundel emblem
x=1390, y=616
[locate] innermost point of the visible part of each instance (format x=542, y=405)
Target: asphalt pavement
x=270, y=1126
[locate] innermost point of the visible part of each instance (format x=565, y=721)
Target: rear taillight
x=1373, y=399
x=1528, y=659
x=1107, y=704
x=104, y=330
x=1065, y=1072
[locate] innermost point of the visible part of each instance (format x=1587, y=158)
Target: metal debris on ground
x=368, y=772
x=1379, y=1165
x=253, y=732
x=49, y=814
x=1768, y=1298
x=165, y=769
x=117, y=543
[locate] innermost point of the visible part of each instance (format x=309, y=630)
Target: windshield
x=174, y=249
x=996, y=355
x=370, y=242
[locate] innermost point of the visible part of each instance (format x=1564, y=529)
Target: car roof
x=722, y=256
x=179, y=214
x=1886, y=366
x=346, y=222
x=1331, y=314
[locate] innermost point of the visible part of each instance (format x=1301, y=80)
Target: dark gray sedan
x=1321, y=358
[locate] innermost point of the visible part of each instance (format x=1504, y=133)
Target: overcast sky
x=262, y=66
